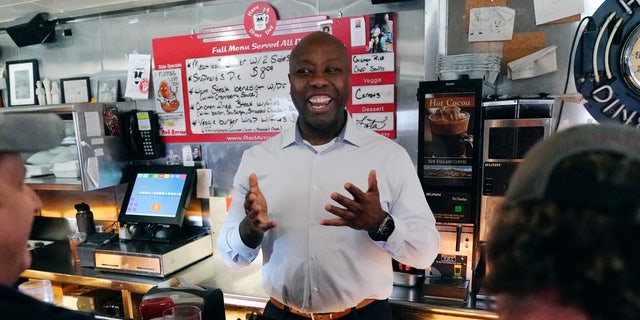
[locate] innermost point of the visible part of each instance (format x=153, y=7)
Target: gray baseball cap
x=562, y=168
x=22, y=132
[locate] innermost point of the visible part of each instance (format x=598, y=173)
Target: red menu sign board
x=230, y=84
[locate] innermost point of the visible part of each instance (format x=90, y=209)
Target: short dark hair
x=584, y=251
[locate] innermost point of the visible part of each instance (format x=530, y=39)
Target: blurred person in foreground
x=329, y=203
x=18, y=206
x=563, y=245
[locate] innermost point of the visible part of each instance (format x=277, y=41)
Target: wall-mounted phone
x=142, y=134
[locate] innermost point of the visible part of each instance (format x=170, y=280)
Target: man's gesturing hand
x=254, y=225
x=363, y=212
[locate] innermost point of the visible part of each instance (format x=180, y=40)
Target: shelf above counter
x=51, y=182
x=92, y=131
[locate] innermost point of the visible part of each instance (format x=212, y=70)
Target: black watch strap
x=385, y=229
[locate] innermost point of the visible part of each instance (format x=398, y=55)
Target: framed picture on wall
x=108, y=90
x=75, y=90
x=21, y=82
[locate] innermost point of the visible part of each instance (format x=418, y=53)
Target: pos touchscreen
x=157, y=195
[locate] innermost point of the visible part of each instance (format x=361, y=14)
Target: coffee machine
x=449, y=153
x=511, y=128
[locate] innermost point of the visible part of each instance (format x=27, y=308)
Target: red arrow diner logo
x=260, y=20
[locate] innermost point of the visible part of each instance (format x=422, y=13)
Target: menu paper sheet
x=551, y=10
x=138, y=77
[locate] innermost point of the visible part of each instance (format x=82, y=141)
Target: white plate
x=38, y=170
x=69, y=169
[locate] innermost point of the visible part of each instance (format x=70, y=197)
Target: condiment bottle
x=84, y=218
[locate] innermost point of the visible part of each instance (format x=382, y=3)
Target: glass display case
x=91, y=156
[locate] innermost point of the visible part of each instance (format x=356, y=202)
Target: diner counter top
x=240, y=287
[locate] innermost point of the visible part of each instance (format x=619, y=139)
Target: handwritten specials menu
x=242, y=93
x=231, y=85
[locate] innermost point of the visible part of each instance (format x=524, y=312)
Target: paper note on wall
x=93, y=124
x=551, y=10
x=204, y=183
x=138, y=76
x=491, y=24
x=358, y=32
x=167, y=85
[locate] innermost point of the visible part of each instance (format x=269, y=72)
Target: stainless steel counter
x=53, y=262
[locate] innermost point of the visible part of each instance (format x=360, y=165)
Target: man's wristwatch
x=385, y=229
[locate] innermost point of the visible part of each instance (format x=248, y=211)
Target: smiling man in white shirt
x=329, y=203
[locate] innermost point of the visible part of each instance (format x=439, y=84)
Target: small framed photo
x=21, y=82
x=75, y=90
x=108, y=90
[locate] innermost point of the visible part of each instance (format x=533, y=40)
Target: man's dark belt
x=321, y=316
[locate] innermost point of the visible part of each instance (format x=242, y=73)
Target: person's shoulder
x=16, y=306
x=59, y=313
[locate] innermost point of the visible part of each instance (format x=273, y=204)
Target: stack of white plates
x=474, y=65
x=35, y=170
x=67, y=169
x=62, y=161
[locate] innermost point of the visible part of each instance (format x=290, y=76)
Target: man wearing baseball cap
x=563, y=245
x=23, y=132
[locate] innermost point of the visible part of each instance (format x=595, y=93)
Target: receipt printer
x=167, y=295
x=93, y=241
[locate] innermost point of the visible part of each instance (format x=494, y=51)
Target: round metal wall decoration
x=607, y=63
x=631, y=59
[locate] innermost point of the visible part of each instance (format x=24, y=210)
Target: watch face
x=387, y=226
x=630, y=58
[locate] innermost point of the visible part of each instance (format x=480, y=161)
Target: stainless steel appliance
x=449, y=153
x=151, y=258
x=511, y=127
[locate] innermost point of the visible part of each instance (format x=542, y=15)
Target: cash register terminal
x=157, y=195
x=154, y=240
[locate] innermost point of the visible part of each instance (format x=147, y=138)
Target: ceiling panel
x=14, y=11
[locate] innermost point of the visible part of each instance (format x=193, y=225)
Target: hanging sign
x=138, y=76
x=230, y=83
